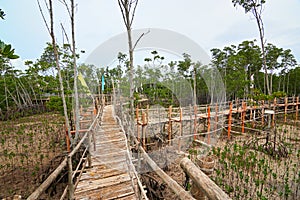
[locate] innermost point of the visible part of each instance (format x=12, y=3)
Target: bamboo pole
x=170, y=125
x=229, y=119
x=208, y=124
x=285, y=108
x=202, y=181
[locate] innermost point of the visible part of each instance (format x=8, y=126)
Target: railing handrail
x=38, y=192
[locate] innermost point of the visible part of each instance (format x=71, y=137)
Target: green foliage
x=6, y=51
x=2, y=14
x=248, y=5
x=56, y=104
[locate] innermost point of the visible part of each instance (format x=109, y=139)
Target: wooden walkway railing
x=67, y=162
x=110, y=175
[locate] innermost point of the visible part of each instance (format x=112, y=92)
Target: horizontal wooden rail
x=202, y=181
x=38, y=192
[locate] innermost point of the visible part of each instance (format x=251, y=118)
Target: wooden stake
x=137, y=123
x=170, y=125
x=67, y=139
x=195, y=122
x=143, y=129
x=262, y=112
x=243, y=116
x=251, y=115
x=285, y=108
x=229, y=119
x=70, y=179
x=274, y=108
x=180, y=129
x=208, y=124
x=216, y=116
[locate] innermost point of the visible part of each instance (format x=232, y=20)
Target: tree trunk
x=262, y=42
x=77, y=125
x=58, y=70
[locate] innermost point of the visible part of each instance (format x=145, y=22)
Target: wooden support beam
x=216, y=116
x=285, y=108
x=38, y=192
x=251, y=115
x=274, y=108
x=137, y=123
x=244, y=108
x=172, y=184
x=144, y=121
x=263, y=112
x=202, y=181
x=208, y=124
x=229, y=119
x=195, y=122
x=170, y=125
x=180, y=129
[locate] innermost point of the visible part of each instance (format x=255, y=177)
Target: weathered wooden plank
x=108, y=178
x=211, y=190
x=87, y=185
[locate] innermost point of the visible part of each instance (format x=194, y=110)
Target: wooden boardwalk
x=109, y=177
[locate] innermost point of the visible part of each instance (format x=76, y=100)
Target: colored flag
x=102, y=83
x=83, y=83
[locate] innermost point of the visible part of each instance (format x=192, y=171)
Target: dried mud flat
x=31, y=148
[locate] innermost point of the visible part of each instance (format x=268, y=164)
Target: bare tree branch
x=42, y=13
x=137, y=41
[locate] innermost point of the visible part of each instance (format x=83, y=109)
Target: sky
x=211, y=24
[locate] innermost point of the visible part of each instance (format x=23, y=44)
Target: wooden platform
x=109, y=176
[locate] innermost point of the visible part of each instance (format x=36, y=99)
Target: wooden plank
x=211, y=190
x=97, y=184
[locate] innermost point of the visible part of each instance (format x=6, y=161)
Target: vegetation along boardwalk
x=110, y=176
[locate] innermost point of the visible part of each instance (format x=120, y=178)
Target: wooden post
x=216, y=116
x=243, y=116
x=251, y=114
x=89, y=157
x=208, y=124
x=274, y=108
x=285, y=108
x=137, y=123
x=170, y=125
x=144, y=123
x=67, y=140
x=262, y=112
x=297, y=103
x=180, y=129
x=202, y=181
x=70, y=179
x=229, y=119
x=195, y=122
